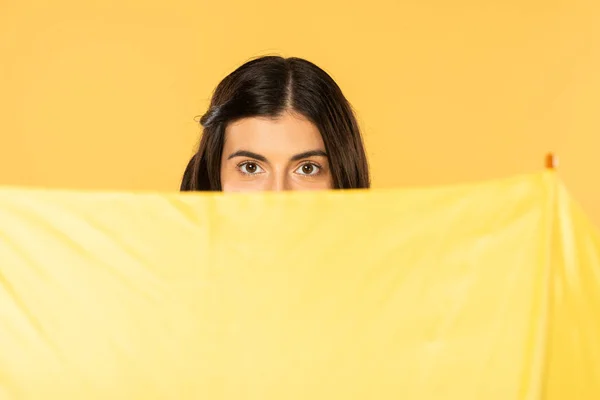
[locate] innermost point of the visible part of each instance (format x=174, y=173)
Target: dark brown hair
x=266, y=87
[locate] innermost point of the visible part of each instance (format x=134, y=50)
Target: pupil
x=307, y=168
x=251, y=167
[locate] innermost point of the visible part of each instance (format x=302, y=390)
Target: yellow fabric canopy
x=478, y=291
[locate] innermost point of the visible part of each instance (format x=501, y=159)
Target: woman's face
x=286, y=153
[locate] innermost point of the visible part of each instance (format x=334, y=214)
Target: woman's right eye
x=250, y=168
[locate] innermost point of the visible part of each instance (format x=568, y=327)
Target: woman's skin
x=264, y=154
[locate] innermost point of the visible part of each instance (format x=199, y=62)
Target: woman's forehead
x=288, y=133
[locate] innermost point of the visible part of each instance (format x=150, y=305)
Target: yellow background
x=102, y=94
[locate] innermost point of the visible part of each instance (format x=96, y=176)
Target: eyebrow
x=311, y=153
x=249, y=154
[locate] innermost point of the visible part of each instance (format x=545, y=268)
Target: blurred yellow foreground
x=482, y=291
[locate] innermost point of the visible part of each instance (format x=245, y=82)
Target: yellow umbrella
x=478, y=291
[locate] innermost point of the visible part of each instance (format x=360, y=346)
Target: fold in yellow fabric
x=487, y=290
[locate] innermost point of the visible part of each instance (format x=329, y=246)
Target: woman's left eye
x=308, y=169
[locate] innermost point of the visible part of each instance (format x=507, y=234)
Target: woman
x=278, y=124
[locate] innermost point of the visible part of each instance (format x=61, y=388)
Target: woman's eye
x=309, y=169
x=250, y=168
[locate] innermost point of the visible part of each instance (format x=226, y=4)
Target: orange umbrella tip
x=551, y=161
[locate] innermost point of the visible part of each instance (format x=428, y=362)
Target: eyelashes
x=306, y=168
x=309, y=168
x=250, y=168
